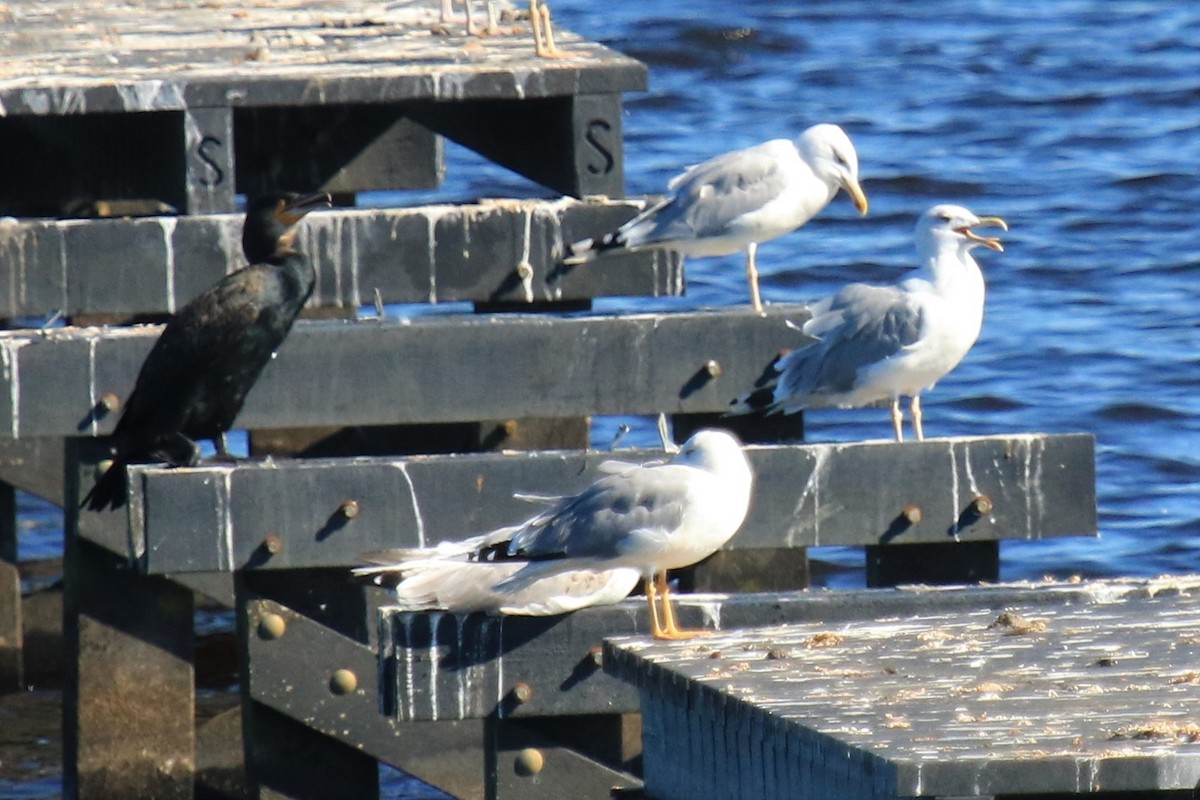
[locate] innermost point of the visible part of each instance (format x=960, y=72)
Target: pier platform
x=1058, y=690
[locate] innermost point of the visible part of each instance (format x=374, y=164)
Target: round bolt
x=109, y=401
x=273, y=545
x=529, y=761
x=712, y=368
x=982, y=505
x=596, y=654
x=103, y=466
x=510, y=427
x=343, y=682
x=911, y=513
x=271, y=626
x=523, y=692
x=349, y=509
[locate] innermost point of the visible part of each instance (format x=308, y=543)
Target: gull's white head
x=830, y=154
x=951, y=227
x=714, y=451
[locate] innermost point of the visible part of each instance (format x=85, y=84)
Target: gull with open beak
x=878, y=343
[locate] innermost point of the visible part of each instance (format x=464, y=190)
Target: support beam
x=11, y=638
x=128, y=702
x=571, y=144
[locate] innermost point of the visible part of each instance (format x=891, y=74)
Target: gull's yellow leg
x=656, y=628
x=752, y=276
x=897, y=420
x=543, y=31
x=915, y=409
x=670, y=629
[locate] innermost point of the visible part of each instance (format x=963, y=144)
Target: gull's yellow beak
x=856, y=194
x=990, y=242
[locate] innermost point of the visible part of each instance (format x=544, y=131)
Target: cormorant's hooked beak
x=856, y=194
x=292, y=211
x=990, y=242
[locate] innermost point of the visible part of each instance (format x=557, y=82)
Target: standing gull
x=211, y=352
x=877, y=343
x=737, y=200
x=590, y=548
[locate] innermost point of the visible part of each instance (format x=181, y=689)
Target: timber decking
x=932, y=692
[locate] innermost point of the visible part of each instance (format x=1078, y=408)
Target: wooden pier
x=1057, y=690
x=139, y=126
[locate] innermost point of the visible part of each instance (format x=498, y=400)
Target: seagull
x=464, y=586
x=876, y=343
x=637, y=521
x=737, y=200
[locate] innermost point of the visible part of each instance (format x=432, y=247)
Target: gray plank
x=443, y=666
x=260, y=54
x=1092, y=691
x=444, y=368
x=426, y=254
x=214, y=517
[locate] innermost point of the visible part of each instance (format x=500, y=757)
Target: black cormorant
x=195, y=379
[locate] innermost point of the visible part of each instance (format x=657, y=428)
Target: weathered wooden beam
x=317, y=734
x=450, y=666
x=33, y=465
x=429, y=254
x=532, y=766
x=338, y=149
x=301, y=54
x=213, y=517
x=450, y=368
x=572, y=144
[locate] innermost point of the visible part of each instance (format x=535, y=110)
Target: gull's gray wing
x=615, y=515
x=710, y=196
x=859, y=326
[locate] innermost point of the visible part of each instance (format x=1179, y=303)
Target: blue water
x=1078, y=122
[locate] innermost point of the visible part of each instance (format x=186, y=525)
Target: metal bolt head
x=713, y=368
x=529, y=761
x=271, y=626
x=343, y=682
x=982, y=505
x=273, y=545
x=109, y=401
x=911, y=513
x=349, y=509
x=523, y=692
x=596, y=654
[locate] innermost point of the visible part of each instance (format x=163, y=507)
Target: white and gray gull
x=878, y=343
x=590, y=548
x=737, y=200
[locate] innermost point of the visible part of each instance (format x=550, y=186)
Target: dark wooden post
x=11, y=649
x=128, y=697
x=285, y=757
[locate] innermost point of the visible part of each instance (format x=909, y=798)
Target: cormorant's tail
x=110, y=489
